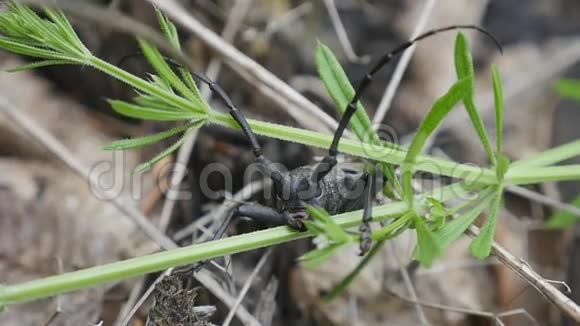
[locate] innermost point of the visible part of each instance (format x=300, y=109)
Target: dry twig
x=301, y=109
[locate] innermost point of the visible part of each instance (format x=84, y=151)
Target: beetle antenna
x=329, y=161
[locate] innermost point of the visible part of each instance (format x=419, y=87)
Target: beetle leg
x=263, y=163
x=365, y=227
x=257, y=213
x=269, y=215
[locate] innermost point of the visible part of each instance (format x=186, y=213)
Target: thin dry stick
x=286, y=19
x=40, y=135
x=342, y=35
x=311, y=116
x=130, y=307
x=413, y=294
x=467, y=311
x=408, y=283
x=389, y=94
x=246, y=286
x=59, y=150
x=233, y=24
x=543, y=199
x=524, y=270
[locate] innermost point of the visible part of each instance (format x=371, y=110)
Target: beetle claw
x=296, y=221
x=365, y=239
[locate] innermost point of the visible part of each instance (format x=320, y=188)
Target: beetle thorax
x=337, y=192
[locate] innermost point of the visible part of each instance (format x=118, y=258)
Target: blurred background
x=50, y=221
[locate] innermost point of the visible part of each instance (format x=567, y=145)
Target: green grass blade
x=551, y=156
x=332, y=230
x=145, y=113
x=562, y=218
x=481, y=246
x=315, y=258
x=498, y=97
x=522, y=176
x=13, y=45
x=49, y=31
x=164, y=70
x=66, y=30
x=166, y=152
x=569, y=88
x=190, y=82
x=503, y=165
x=340, y=89
x=464, y=69
x=347, y=280
x=168, y=29
x=438, y=112
x=150, y=139
x=428, y=248
x=40, y=64
x=454, y=229
x=387, y=231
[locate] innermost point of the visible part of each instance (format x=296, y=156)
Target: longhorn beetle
x=316, y=186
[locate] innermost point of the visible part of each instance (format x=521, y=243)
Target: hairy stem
x=93, y=276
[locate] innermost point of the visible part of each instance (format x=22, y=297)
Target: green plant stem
x=521, y=175
x=476, y=175
x=121, y=270
x=357, y=148
x=156, y=262
x=397, y=224
x=142, y=85
x=550, y=156
x=387, y=154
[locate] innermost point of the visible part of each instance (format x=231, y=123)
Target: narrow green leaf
x=48, y=30
x=503, y=164
x=149, y=164
x=550, y=156
x=332, y=230
x=464, y=69
x=481, y=246
x=437, y=214
x=145, y=113
x=340, y=89
x=345, y=282
x=562, y=218
x=29, y=50
x=150, y=139
x=40, y=64
x=498, y=97
x=440, y=109
x=569, y=88
x=454, y=229
x=428, y=248
x=66, y=31
x=315, y=227
x=389, y=231
x=190, y=82
x=315, y=258
x=168, y=29
x=164, y=70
